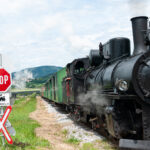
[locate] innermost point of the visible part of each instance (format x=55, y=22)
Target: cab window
x=79, y=67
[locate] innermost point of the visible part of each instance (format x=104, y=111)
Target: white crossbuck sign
x=2, y=125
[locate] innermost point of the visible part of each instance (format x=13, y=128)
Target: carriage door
x=54, y=88
x=68, y=89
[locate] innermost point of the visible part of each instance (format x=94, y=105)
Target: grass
x=65, y=132
x=25, y=137
x=105, y=144
x=97, y=145
x=73, y=141
x=88, y=146
x=20, y=100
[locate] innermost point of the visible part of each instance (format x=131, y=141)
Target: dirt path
x=50, y=129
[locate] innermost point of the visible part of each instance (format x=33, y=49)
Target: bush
x=33, y=95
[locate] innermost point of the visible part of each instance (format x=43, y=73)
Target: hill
x=33, y=77
x=38, y=72
x=38, y=82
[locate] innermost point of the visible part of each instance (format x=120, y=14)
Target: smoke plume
x=20, y=79
x=138, y=7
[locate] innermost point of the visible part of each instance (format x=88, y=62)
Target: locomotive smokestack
x=139, y=27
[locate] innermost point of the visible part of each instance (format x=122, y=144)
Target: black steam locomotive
x=125, y=81
x=111, y=88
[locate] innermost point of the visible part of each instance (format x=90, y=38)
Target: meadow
x=25, y=137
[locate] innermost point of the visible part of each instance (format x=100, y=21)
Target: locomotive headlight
x=122, y=85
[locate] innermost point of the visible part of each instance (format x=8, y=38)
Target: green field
x=25, y=138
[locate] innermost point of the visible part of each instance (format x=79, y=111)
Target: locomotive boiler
x=110, y=89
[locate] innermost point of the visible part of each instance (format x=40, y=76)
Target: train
x=110, y=89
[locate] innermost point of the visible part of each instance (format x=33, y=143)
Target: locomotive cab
x=79, y=67
x=75, y=73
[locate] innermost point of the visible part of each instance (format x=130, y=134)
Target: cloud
x=14, y=7
x=54, y=32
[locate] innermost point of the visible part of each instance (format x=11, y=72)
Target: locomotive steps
x=62, y=132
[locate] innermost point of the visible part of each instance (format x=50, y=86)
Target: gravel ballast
x=78, y=131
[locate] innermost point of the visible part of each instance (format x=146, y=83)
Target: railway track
x=81, y=127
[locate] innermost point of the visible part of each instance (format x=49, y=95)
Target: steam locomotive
x=110, y=89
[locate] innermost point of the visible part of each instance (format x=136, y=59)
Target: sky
x=54, y=32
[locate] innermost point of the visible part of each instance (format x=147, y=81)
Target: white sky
x=54, y=32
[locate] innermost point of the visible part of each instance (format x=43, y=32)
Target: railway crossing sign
x=5, y=80
x=5, y=125
x=2, y=124
x=4, y=99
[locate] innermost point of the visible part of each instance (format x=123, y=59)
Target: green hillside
x=33, y=77
x=38, y=82
x=40, y=71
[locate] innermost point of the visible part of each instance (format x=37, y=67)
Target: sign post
x=5, y=83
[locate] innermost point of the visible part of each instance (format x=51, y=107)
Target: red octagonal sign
x=5, y=80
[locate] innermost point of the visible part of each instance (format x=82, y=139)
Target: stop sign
x=5, y=80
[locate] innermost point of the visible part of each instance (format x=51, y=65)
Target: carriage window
x=79, y=67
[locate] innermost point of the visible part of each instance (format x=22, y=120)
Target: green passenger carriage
x=54, y=86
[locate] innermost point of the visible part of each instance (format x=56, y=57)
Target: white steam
x=20, y=79
x=93, y=97
x=138, y=7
